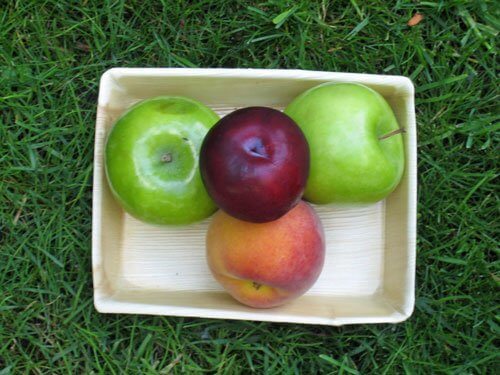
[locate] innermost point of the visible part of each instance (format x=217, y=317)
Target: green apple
x=151, y=160
x=357, y=153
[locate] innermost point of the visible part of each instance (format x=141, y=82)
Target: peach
x=268, y=264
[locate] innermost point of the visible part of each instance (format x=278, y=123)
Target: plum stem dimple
x=390, y=134
x=257, y=148
x=166, y=158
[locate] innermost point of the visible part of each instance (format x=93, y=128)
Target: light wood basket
x=369, y=271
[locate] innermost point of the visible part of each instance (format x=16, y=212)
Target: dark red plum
x=254, y=163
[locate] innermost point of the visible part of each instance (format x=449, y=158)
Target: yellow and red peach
x=267, y=264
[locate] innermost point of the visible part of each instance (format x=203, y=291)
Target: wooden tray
x=369, y=271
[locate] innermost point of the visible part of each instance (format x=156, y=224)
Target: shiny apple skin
x=351, y=161
x=154, y=190
x=255, y=163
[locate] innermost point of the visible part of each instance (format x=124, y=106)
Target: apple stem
x=166, y=158
x=394, y=132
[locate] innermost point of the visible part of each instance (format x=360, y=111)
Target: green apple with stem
x=357, y=152
x=151, y=160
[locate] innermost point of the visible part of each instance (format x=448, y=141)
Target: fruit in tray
x=269, y=264
x=255, y=163
x=357, y=153
x=170, y=160
x=151, y=160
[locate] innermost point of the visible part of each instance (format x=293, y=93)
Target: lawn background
x=52, y=54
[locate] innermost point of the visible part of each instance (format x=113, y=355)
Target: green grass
x=51, y=57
